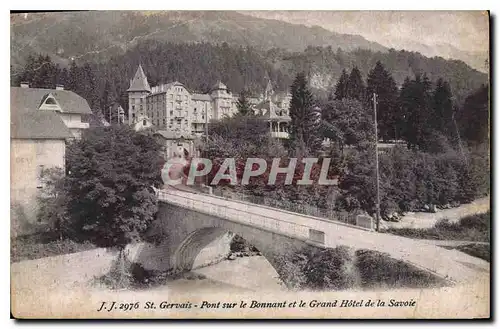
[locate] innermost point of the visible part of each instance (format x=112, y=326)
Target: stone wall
x=28, y=158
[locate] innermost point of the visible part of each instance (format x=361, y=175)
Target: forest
x=199, y=65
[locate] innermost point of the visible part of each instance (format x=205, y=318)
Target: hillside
x=96, y=36
x=200, y=65
x=325, y=66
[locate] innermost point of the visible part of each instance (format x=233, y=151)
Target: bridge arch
x=185, y=255
x=186, y=233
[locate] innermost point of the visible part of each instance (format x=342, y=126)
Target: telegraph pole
x=206, y=139
x=377, y=205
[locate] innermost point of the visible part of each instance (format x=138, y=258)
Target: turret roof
x=219, y=85
x=139, y=82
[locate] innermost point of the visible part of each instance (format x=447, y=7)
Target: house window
x=50, y=101
x=164, y=122
x=143, y=122
x=171, y=112
x=133, y=107
x=158, y=122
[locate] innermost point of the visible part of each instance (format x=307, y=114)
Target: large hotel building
x=173, y=108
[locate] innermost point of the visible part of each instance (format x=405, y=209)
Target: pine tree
x=341, y=86
x=389, y=118
x=416, y=102
x=73, y=77
x=443, y=108
x=475, y=117
x=355, y=85
x=243, y=104
x=306, y=119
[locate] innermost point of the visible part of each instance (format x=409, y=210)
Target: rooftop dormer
x=49, y=103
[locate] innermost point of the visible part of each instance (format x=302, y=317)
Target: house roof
x=139, y=82
x=32, y=98
x=164, y=87
x=219, y=85
x=268, y=110
x=29, y=124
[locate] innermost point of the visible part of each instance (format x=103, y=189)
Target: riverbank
x=423, y=220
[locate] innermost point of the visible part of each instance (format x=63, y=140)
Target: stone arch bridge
x=190, y=221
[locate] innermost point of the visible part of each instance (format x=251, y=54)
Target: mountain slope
x=99, y=35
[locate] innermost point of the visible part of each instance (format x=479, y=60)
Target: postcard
x=250, y=165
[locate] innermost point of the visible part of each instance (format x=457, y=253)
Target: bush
x=477, y=250
x=378, y=269
x=470, y=228
x=42, y=245
x=343, y=268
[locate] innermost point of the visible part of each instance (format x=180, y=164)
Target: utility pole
x=377, y=205
x=206, y=139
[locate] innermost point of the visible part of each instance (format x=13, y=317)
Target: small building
x=277, y=118
x=42, y=121
x=142, y=122
x=175, y=144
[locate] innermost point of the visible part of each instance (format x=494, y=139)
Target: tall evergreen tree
x=243, y=104
x=389, y=118
x=355, y=85
x=73, y=77
x=443, y=108
x=416, y=103
x=306, y=119
x=341, y=86
x=475, y=116
x=39, y=72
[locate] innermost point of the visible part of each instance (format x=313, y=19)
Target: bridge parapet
x=269, y=228
x=288, y=223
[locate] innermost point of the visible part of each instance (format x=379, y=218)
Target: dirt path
x=428, y=220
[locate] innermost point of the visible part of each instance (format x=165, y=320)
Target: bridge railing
x=341, y=216
x=238, y=213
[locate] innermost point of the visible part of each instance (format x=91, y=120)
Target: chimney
x=25, y=85
x=59, y=87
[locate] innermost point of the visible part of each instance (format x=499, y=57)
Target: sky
x=465, y=30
